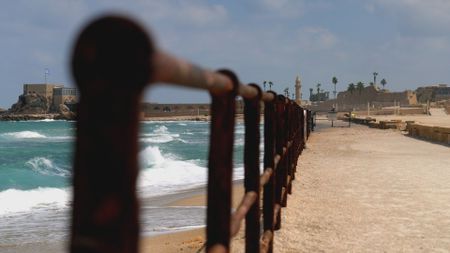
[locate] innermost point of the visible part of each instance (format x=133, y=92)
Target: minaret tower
x=298, y=90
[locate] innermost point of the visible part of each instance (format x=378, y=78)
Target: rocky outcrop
x=31, y=104
x=65, y=113
x=24, y=117
x=36, y=107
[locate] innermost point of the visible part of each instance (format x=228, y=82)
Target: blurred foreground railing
x=113, y=61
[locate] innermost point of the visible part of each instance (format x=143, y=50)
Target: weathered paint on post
x=220, y=167
x=110, y=64
x=269, y=153
x=279, y=145
x=251, y=165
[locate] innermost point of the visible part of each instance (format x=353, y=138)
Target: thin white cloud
x=284, y=8
x=316, y=38
x=43, y=58
x=369, y=7
x=204, y=14
x=196, y=12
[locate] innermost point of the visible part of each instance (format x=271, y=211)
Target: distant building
x=45, y=90
x=67, y=96
x=433, y=93
x=321, y=96
x=155, y=109
x=56, y=94
x=359, y=99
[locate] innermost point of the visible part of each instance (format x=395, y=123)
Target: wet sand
x=190, y=240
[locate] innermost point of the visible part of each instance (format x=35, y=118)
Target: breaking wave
x=24, y=135
x=13, y=200
x=46, y=166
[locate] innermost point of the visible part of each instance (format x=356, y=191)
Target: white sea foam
x=164, y=174
x=161, y=135
x=161, y=130
x=158, y=139
x=150, y=156
x=24, y=135
x=239, y=141
x=158, y=121
x=14, y=201
x=62, y=138
x=46, y=166
x=239, y=130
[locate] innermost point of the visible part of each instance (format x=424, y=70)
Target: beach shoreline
x=186, y=240
x=53, y=116
x=183, y=239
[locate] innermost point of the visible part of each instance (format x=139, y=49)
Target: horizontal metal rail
x=173, y=70
x=113, y=60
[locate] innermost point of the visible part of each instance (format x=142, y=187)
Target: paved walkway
x=368, y=190
x=438, y=112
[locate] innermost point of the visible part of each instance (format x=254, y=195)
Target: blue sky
x=406, y=41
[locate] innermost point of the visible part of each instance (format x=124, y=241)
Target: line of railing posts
x=112, y=62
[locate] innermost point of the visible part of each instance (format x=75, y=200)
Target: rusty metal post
x=110, y=64
x=269, y=153
x=286, y=158
x=279, y=143
x=310, y=120
x=295, y=115
x=299, y=135
x=304, y=123
x=220, y=168
x=251, y=165
x=293, y=139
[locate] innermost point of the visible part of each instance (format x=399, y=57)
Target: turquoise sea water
x=36, y=170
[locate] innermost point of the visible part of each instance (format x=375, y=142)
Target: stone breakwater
x=430, y=132
x=24, y=117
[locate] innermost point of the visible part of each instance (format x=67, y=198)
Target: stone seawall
x=433, y=133
x=429, y=132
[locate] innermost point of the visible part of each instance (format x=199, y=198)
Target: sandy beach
x=368, y=190
x=190, y=240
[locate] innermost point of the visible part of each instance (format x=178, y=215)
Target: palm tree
x=318, y=88
x=270, y=85
x=334, y=81
x=375, y=78
x=351, y=87
x=310, y=94
x=383, y=82
x=264, y=85
x=360, y=87
x=286, y=92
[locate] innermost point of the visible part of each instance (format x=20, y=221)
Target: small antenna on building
x=47, y=72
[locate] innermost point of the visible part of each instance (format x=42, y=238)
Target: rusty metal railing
x=113, y=61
